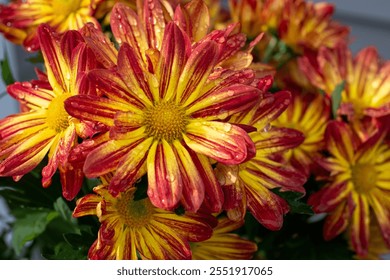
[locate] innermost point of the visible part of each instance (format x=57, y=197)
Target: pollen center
x=165, y=121
x=65, y=7
x=57, y=118
x=364, y=177
x=134, y=214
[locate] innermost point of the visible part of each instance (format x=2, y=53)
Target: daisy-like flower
x=135, y=228
x=298, y=23
x=358, y=185
x=309, y=114
x=223, y=244
x=249, y=185
x=45, y=128
x=19, y=20
x=165, y=107
x=367, y=80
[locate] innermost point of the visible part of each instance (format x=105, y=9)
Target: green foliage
x=6, y=72
x=336, y=98
x=293, y=199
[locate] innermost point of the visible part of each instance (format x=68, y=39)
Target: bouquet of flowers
x=168, y=129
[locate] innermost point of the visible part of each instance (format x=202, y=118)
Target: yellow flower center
x=65, y=7
x=364, y=177
x=134, y=214
x=56, y=117
x=165, y=121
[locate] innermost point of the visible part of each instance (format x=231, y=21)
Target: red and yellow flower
x=19, y=20
x=45, y=128
x=298, y=23
x=223, y=244
x=367, y=80
x=358, y=185
x=135, y=228
x=309, y=114
x=249, y=185
x=166, y=106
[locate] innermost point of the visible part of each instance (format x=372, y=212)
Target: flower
x=19, y=20
x=131, y=228
x=45, y=127
x=165, y=107
x=249, y=185
x=367, y=81
x=309, y=114
x=297, y=22
x=358, y=185
x=224, y=245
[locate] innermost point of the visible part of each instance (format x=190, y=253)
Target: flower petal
x=360, y=225
x=86, y=205
x=223, y=142
x=164, y=181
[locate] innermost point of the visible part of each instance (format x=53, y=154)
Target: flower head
x=223, y=244
x=45, y=128
x=367, y=81
x=165, y=106
x=358, y=185
x=131, y=228
x=249, y=185
x=19, y=20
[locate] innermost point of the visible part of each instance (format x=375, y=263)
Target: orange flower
x=358, y=185
x=249, y=185
x=367, y=80
x=165, y=105
x=132, y=227
x=19, y=20
x=45, y=127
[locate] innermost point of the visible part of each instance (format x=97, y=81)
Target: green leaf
x=63, y=209
x=64, y=251
x=36, y=59
x=6, y=72
x=29, y=224
x=336, y=98
x=293, y=200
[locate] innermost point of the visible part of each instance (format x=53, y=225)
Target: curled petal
x=224, y=142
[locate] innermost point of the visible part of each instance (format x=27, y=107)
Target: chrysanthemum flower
x=249, y=185
x=358, y=185
x=135, y=228
x=165, y=107
x=19, y=20
x=45, y=127
x=223, y=244
x=309, y=114
x=298, y=23
x=367, y=80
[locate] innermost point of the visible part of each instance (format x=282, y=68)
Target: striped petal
x=86, y=205
x=32, y=93
x=379, y=201
x=56, y=65
x=95, y=109
x=328, y=198
x=340, y=142
x=27, y=155
x=266, y=207
x=106, y=157
x=193, y=185
x=360, y=225
x=337, y=221
x=104, y=50
x=164, y=181
x=153, y=18
x=131, y=167
x=173, y=57
x=223, y=142
x=225, y=102
x=127, y=27
x=196, y=72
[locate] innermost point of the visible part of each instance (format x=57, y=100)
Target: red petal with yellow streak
x=360, y=225
x=164, y=176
